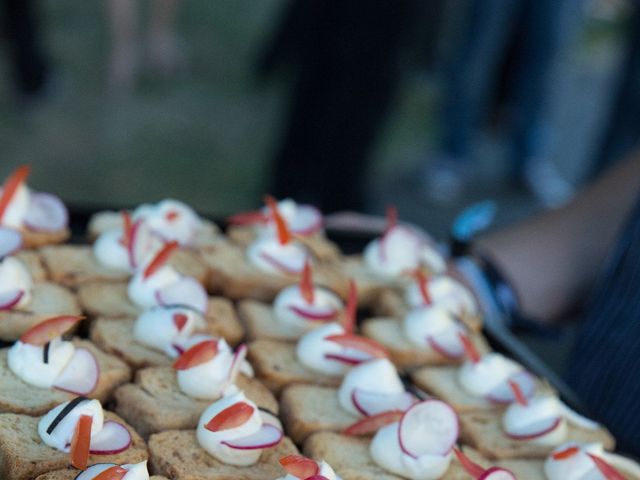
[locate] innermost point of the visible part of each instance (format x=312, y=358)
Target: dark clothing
x=605, y=366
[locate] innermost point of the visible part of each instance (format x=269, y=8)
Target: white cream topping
x=267, y=254
x=212, y=441
x=110, y=252
x=142, y=291
x=27, y=361
x=156, y=327
x=60, y=437
x=402, y=250
x=136, y=471
x=17, y=209
x=324, y=469
x=445, y=292
x=14, y=275
x=493, y=369
x=577, y=467
x=539, y=414
x=386, y=452
x=312, y=349
x=171, y=220
x=209, y=380
x=374, y=376
x=324, y=302
x=431, y=321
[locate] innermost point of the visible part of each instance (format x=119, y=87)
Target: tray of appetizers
x=149, y=342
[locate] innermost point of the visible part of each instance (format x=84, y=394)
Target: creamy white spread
x=386, y=451
x=27, y=361
x=378, y=376
x=312, y=350
x=171, y=220
x=15, y=278
x=540, y=414
x=60, y=437
x=493, y=370
x=576, y=467
x=18, y=207
x=445, y=292
x=135, y=471
x=268, y=255
x=324, y=469
x=292, y=310
x=143, y=291
x=435, y=322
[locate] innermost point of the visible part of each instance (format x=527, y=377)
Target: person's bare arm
x=553, y=259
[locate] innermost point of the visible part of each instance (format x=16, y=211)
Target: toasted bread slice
x=483, y=431
x=178, y=455
x=155, y=403
x=442, y=382
x=231, y=274
x=404, y=354
x=307, y=409
x=276, y=365
x=116, y=336
x=390, y=303
x=318, y=244
x=47, y=300
x=370, y=286
x=35, y=239
x=23, y=455
x=350, y=458
x=33, y=261
x=16, y=396
x=72, y=474
x=75, y=265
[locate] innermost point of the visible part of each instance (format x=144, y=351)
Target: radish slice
x=623, y=463
x=291, y=268
x=428, y=428
x=449, y=346
x=574, y=417
x=81, y=374
x=496, y=473
x=306, y=221
x=10, y=241
x=46, y=213
x=116, y=472
x=113, y=438
x=536, y=429
x=236, y=364
x=186, y=291
x=314, y=314
x=349, y=356
x=267, y=436
x=504, y=394
x=371, y=403
x=10, y=299
x=269, y=418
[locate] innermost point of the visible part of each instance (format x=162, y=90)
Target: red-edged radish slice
x=372, y=424
x=371, y=403
x=357, y=342
x=11, y=185
x=269, y=418
x=306, y=221
x=469, y=348
x=230, y=417
x=504, y=394
x=429, y=427
x=306, y=283
x=423, y=286
x=496, y=473
x=316, y=477
x=609, y=472
x=80, y=442
x=50, y=329
x=565, y=453
x=285, y=267
x=353, y=357
x=299, y=466
x=536, y=429
x=115, y=472
x=517, y=393
x=284, y=235
x=267, y=436
x=160, y=259
x=46, y=213
x=314, y=315
x=236, y=364
x=81, y=374
x=449, y=346
x=10, y=241
x=135, y=244
x=197, y=355
x=248, y=218
x=351, y=309
x=112, y=439
x=186, y=291
x=10, y=299
x=470, y=467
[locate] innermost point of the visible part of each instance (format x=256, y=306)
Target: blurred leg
x=123, y=61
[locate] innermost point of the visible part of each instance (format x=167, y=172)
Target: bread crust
x=23, y=455
x=155, y=403
x=16, y=396
x=33, y=239
x=47, y=300
x=33, y=261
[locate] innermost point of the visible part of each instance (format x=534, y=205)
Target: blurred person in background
x=345, y=56
x=160, y=44
x=29, y=63
x=582, y=258
x=492, y=26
